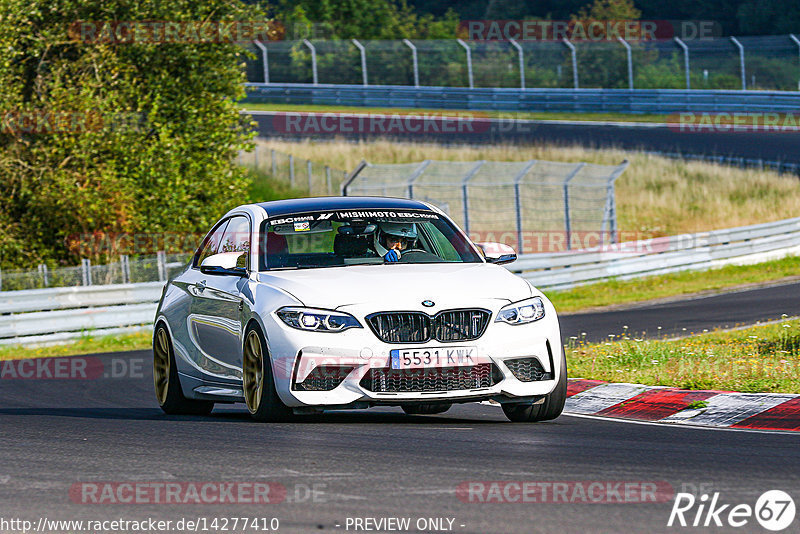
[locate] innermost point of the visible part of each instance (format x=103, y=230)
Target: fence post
x=310, y=176
x=363, y=52
x=125, y=267
x=741, y=61
x=265, y=59
x=272, y=155
x=45, y=275
x=313, y=60
x=612, y=201
x=291, y=170
x=348, y=179
x=574, y=60
x=518, y=203
x=86, y=272
x=567, y=220
x=414, y=175
x=1, y=280
x=521, y=63
x=161, y=260
x=328, y=180
x=469, y=60
x=465, y=194
x=685, y=61
x=630, y=60
x=255, y=157
x=414, y=60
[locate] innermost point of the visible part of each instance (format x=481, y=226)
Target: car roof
x=277, y=208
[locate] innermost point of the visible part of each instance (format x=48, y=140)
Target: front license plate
x=436, y=357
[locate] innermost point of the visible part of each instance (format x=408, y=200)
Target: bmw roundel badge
x=428, y=303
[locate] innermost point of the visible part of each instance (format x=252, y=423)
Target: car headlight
x=523, y=312
x=317, y=320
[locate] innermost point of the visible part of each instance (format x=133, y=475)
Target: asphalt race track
x=684, y=317
x=57, y=434
x=770, y=146
x=377, y=463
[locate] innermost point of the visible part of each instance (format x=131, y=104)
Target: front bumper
x=298, y=355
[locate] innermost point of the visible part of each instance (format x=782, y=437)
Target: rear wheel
x=258, y=383
x=551, y=408
x=425, y=409
x=167, y=384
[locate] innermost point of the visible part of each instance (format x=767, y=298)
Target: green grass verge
x=617, y=292
x=87, y=344
x=529, y=115
x=263, y=187
x=763, y=358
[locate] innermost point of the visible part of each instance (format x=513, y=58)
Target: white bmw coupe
x=304, y=305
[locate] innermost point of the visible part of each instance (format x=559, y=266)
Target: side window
x=211, y=244
x=237, y=239
x=442, y=245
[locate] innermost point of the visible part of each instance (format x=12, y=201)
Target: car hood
x=400, y=286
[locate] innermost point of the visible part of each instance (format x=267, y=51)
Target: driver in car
x=391, y=239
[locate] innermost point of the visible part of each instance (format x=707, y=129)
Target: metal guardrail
x=511, y=99
x=687, y=252
x=47, y=315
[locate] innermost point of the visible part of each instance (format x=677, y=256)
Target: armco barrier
x=687, y=252
x=46, y=315
x=659, y=101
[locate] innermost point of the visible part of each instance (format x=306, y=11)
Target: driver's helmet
x=405, y=232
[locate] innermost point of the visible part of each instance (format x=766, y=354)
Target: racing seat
x=276, y=244
x=350, y=245
x=275, y=247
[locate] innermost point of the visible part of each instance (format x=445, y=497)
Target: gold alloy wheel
x=161, y=365
x=253, y=376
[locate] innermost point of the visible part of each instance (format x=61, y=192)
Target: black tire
x=551, y=408
x=425, y=409
x=166, y=382
x=258, y=382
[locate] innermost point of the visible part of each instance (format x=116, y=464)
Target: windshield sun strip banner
x=354, y=215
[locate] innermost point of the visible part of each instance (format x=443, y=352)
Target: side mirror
x=224, y=264
x=497, y=253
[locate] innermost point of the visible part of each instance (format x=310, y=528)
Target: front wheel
x=551, y=408
x=167, y=384
x=258, y=383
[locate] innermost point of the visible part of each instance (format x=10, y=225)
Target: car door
x=215, y=319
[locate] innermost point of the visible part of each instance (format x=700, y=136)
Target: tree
x=362, y=19
x=149, y=134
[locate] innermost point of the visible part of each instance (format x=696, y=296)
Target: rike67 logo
x=774, y=510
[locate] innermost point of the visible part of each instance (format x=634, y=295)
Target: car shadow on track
x=230, y=416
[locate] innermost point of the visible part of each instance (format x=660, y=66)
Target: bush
x=156, y=152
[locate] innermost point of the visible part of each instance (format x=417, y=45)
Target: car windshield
x=359, y=237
